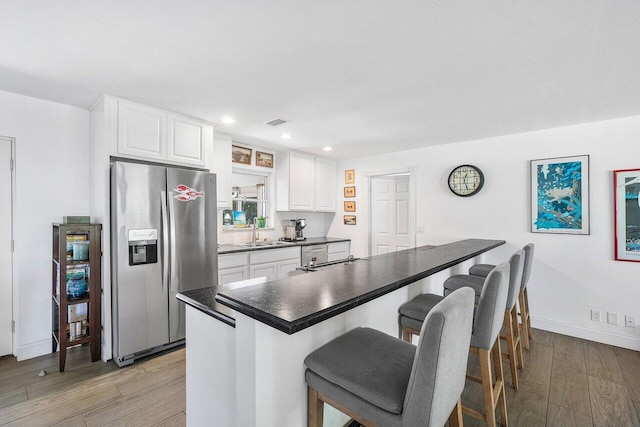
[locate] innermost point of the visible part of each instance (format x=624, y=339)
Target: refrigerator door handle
x=165, y=240
x=173, y=284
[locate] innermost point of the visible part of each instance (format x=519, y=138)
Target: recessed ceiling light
x=228, y=120
x=285, y=136
x=327, y=148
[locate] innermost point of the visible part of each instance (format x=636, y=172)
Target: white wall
x=52, y=180
x=571, y=274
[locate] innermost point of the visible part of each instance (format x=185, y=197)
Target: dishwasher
x=314, y=254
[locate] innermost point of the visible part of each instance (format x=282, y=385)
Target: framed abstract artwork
x=626, y=189
x=560, y=195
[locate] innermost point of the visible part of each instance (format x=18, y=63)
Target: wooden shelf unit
x=61, y=264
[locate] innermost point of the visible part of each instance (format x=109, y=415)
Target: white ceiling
x=364, y=76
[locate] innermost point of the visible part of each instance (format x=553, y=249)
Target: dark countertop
x=299, y=300
x=229, y=249
x=204, y=299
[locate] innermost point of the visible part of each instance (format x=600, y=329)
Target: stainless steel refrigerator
x=163, y=241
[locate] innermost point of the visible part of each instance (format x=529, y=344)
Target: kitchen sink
x=262, y=244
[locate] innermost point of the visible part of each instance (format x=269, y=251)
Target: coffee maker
x=300, y=224
x=289, y=227
x=293, y=229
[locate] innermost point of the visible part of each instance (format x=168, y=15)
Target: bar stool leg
x=523, y=318
x=526, y=302
x=455, y=419
x=518, y=338
x=499, y=387
x=511, y=347
x=315, y=409
x=408, y=333
x=487, y=387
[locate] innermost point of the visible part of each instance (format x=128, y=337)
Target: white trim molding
x=34, y=349
x=618, y=340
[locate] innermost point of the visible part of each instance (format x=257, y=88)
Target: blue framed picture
x=560, y=195
x=626, y=190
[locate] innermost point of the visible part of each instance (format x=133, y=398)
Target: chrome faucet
x=253, y=232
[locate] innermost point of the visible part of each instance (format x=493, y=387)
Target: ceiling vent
x=276, y=122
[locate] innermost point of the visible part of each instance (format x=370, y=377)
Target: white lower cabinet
x=231, y=275
x=273, y=261
x=288, y=266
x=233, y=267
x=266, y=262
x=262, y=270
x=338, y=250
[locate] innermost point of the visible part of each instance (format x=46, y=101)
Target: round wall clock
x=466, y=180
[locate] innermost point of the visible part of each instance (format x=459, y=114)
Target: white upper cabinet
x=325, y=178
x=187, y=139
x=148, y=133
x=301, y=182
x=141, y=131
x=305, y=183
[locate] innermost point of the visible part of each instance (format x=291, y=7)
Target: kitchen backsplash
x=317, y=226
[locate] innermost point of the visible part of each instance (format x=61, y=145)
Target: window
x=250, y=194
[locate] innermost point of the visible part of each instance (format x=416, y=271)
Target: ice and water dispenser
x=143, y=246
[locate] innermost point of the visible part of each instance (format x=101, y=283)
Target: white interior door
x=6, y=312
x=391, y=228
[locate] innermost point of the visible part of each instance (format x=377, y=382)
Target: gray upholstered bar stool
x=380, y=380
x=484, y=338
x=510, y=331
x=523, y=297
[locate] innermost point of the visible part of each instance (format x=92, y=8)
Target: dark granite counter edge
x=305, y=322
x=207, y=310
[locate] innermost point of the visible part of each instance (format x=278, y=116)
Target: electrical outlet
x=595, y=315
x=420, y=229
x=629, y=321
x=612, y=318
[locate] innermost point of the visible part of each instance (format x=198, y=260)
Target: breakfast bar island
x=246, y=341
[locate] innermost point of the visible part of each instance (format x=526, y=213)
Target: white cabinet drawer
x=274, y=255
x=233, y=260
x=338, y=247
x=337, y=256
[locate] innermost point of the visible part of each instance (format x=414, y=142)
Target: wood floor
x=147, y=393
x=566, y=382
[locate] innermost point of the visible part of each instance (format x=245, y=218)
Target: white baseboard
x=631, y=343
x=34, y=349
